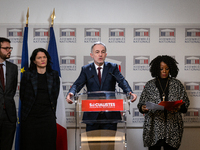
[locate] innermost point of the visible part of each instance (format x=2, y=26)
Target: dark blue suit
x=89, y=76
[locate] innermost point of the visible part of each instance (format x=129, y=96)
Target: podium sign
x=102, y=105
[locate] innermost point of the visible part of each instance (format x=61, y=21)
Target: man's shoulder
x=88, y=65
x=10, y=63
x=110, y=64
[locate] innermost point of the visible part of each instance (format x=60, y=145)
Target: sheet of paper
x=154, y=106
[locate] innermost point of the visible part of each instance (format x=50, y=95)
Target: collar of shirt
x=4, y=66
x=97, y=69
x=4, y=63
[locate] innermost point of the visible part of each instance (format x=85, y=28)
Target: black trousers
x=161, y=143
x=7, y=132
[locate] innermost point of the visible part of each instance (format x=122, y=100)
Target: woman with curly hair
x=163, y=128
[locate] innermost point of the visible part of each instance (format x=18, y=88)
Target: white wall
x=102, y=12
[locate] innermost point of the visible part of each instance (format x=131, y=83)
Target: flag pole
x=61, y=140
x=53, y=17
x=24, y=67
x=27, y=16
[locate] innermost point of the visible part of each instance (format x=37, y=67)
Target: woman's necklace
x=163, y=94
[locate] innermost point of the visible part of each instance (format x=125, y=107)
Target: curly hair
x=33, y=56
x=169, y=61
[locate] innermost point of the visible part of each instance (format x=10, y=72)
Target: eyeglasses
x=7, y=48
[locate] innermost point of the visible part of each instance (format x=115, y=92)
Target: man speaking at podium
x=100, y=76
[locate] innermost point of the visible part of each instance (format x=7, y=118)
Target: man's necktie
x=99, y=74
x=2, y=76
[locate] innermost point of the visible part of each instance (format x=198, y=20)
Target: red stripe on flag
x=119, y=68
x=61, y=141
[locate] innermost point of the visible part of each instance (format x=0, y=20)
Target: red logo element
x=102, y=105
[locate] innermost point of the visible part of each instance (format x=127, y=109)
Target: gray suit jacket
x=7, y=96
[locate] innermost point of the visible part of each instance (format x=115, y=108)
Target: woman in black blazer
x=39, y=89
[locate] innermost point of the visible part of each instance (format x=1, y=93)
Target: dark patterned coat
x=28, y=90
x=155, y=127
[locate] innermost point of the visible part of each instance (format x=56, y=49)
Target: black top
x=42, y=105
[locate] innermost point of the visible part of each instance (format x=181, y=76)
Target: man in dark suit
x=8, y=88
x=110, y=74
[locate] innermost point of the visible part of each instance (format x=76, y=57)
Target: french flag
x=61, y=141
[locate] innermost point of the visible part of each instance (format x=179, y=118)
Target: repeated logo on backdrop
x=66, y=87
x=192, y=89
x=141, y=63
x=92, y=35
x=167, y=35
x=192, y=35
x=141, y=35
x=67, y=63
x=67, y=35
x=192, y=116
x=40, y=35
x=15, y=35
x=192, y=63
x=116, y=35
x=138, y=118
x=138, y=87
x=70, y=115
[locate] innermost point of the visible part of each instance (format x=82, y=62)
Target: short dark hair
x=2, y=39
x=33, y=56
x=169, y=61
x=98, y=43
